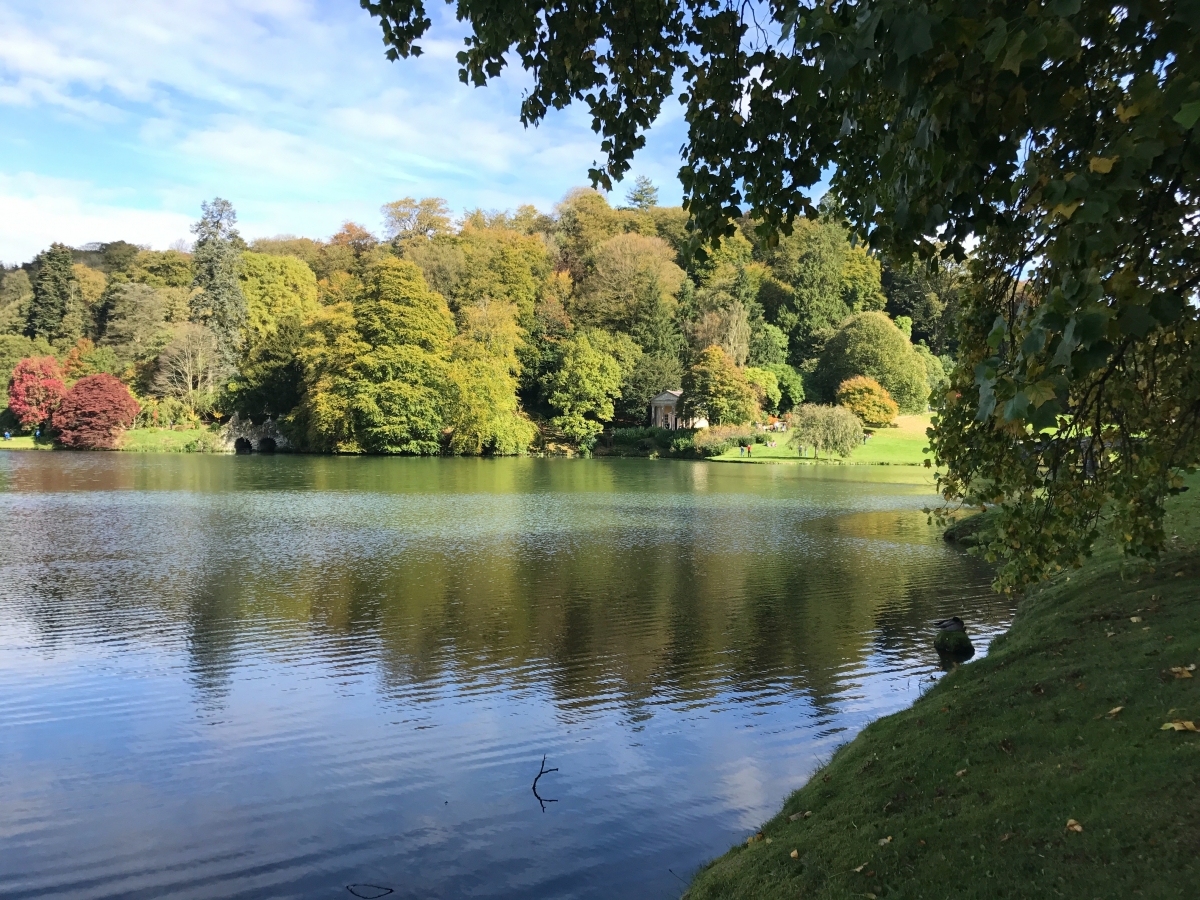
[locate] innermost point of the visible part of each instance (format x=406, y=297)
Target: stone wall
x=242, y=435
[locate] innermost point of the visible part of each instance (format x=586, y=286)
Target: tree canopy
x=1061, y=136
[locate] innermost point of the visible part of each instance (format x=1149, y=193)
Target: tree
x=136, y=322
x=832, y=429
x=219, y=303
x=716, y=390
x=928, y=293
x=15, y=293
x=582, y=388
x=54, y=295
x=766, y=388
x=409, y=220
x=16, y=347
x=768, y=344
x=791, y=385
x=190, y=367
x=805, y=295
x=484, y=412
x=376, y=371
x=35, y=390
x=643, y=194
x=869, y=400
x=275, y=288
x=85, y=358
x=870, y=344
x=632, y=274
x=653, y=374
x=1060, y=135
x=93, y=413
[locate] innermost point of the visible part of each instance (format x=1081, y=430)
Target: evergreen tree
x=53, y=294
x=643, y=194
x=219, y=304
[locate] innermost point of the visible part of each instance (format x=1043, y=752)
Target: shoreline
x=969, y=792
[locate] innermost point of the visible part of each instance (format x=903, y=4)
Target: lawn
x=167, y=440
x=902, y=445
x=1052, y=767
x=25, y=442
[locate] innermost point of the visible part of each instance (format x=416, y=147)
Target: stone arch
x=266, y=445
x=242, y=445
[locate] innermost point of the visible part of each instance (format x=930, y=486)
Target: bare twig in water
x=542, y=771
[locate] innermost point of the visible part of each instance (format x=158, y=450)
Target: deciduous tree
x=869, y=400
x=93, y=413
x=35, y=390
x=716, y=390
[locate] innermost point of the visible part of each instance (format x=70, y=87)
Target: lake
x=268, y=677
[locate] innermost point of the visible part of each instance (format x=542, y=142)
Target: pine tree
x=219, y=304
x=53, y=293
x=643, y=194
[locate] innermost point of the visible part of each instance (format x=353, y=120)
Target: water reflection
x=276, y=676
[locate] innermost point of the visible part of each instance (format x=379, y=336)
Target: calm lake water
x=262, y=677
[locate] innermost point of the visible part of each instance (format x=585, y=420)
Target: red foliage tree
x=35, y=390
x=93, y=412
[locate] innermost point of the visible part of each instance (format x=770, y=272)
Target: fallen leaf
x=1116, y=709
x=922, y=843
x=1109, y=633
x=795, y=854
x=869, y=895
x=1004, y=837
x=804, y=815
x=1182, y=671
x=860, y=868
x=960, y=773
x=768, y=840
x=754, y=838
x=1007, y=746
x=1080, y=686
x=1135, y=619
x=1179, y=725
x=883, y=842
x=1072, y=825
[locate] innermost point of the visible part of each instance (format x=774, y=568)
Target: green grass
x=25, y=442
x=139, y=440
x=166, y=440
x=967, y=794
x=902, y=445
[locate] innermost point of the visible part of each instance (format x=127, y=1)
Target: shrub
x=661, y=437
x=870, y=344
x=716, y=439
x=93, y=413
x=35, y=390
x=869, y=400
x=833, y=429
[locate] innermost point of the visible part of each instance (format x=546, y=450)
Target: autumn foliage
x=869, y=400
x=35, y=390
x=93, y=413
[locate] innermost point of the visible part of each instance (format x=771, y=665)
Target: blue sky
x=118, y=117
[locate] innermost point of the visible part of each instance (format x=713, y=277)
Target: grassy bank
x=968, y=794
x=902, y=445
x=167, y=440
x=141, y=440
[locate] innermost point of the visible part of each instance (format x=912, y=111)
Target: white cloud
x=36, y=211
x=288, y=108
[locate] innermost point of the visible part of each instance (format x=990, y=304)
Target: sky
x=119, y=117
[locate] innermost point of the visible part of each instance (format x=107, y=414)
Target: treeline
x=483, y=335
